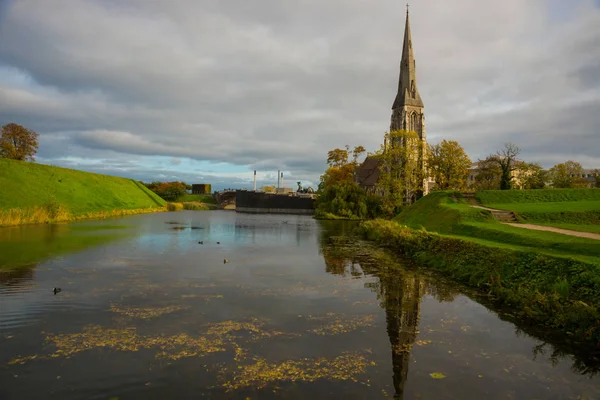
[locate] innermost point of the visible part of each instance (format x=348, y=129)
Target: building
x=407, y=114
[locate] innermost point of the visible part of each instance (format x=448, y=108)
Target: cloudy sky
x=208, y=91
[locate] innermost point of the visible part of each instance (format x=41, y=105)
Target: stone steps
x=504, y=216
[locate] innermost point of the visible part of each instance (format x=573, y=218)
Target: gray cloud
x=275, y=85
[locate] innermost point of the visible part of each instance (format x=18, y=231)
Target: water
x=297, y=311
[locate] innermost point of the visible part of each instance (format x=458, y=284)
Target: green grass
x=447, y=214
x=552, y=207
x=203, y=198
x=27, y=185
x=488, y=197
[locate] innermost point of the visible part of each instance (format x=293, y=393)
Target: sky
x=208, y=91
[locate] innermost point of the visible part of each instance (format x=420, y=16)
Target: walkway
x=587, y=235
x=507, y=218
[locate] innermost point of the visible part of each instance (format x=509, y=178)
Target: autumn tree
x=402, y=170
x=339, y=194
x=18, y=143
x=567, y=175
x=449, y=165
x=531, y=176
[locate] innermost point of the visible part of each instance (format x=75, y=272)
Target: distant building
x=201, y=188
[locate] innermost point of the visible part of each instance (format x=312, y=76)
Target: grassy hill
x=30, y=190
x=576, y=209
x=448, y=214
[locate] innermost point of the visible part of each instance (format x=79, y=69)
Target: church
x=407, y=114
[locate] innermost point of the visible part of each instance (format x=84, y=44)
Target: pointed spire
x=407, y=85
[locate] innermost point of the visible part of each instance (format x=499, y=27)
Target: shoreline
x=562, y=294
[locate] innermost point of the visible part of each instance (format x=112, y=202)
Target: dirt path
x=587, y=235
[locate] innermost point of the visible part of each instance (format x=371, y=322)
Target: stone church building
x=407, y=113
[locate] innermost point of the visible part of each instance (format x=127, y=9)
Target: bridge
x=226, y=198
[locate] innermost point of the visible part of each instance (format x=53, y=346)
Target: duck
x=218, y=242
x=225, y=261
x=201, y=242
x=56, y=290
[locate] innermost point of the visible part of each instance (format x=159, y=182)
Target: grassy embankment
x=575, y=209
x=195, y=202
x=547, y=278
x=33, y=193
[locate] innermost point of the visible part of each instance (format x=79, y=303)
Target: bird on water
x=225, y=261
x=56, y=290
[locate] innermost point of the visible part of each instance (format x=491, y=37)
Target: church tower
x=407, y=110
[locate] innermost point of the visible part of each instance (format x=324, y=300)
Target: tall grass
x=51, y=213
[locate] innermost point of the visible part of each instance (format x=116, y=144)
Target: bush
x=174, y=206
x=169, y=191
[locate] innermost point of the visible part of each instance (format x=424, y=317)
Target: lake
x=267, y=306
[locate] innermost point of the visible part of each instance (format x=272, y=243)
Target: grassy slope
x=562, y=208
x=203, y=198
x=447, y=214
x=26, y=185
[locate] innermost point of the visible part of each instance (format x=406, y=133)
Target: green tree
x=402, y=170
x=531, y=176
x=567, y=175
x=448, y=164
x=18, y=143
x=506, y=160
x=487, y=175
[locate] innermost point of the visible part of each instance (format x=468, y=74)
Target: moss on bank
x=557, y=292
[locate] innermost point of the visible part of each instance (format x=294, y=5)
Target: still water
x=266, y=307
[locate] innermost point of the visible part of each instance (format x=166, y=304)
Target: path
x=587, y=235
x=507, y=218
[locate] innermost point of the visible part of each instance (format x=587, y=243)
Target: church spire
x=408, y=95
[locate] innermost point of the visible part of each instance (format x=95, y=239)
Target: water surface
x=266, y=307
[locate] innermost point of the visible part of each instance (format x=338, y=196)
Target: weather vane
x=407, y=5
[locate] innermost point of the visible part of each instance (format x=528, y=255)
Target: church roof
x=408, y=94
x=368, y=173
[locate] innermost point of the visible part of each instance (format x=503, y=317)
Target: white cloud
x=275, y=85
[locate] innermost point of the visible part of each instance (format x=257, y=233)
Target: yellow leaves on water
x=217, y=338
x=422, y=342
x=145, y=312
x=258, y=375
x=172, y=347
x=437, y=375
x=341, y=323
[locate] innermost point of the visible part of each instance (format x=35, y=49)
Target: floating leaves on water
x=437, y=375
x=341, y=323
x=260, y=374
x=173, y=347
x=217, y=338
x=145, y=312
x=422, y=342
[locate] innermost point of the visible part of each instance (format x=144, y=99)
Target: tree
x=506, y=159
x=488, y=175
x=18, y=143
x=567, y=175
x=596, y=174
x=268, y=188
x=169, y=191
x=531, y=176
x=402, y=170
x=340, y=169
x=449, y=165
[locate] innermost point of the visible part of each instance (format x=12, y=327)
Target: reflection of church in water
x=399, y=293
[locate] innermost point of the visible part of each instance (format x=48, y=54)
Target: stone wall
x=268, y=203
